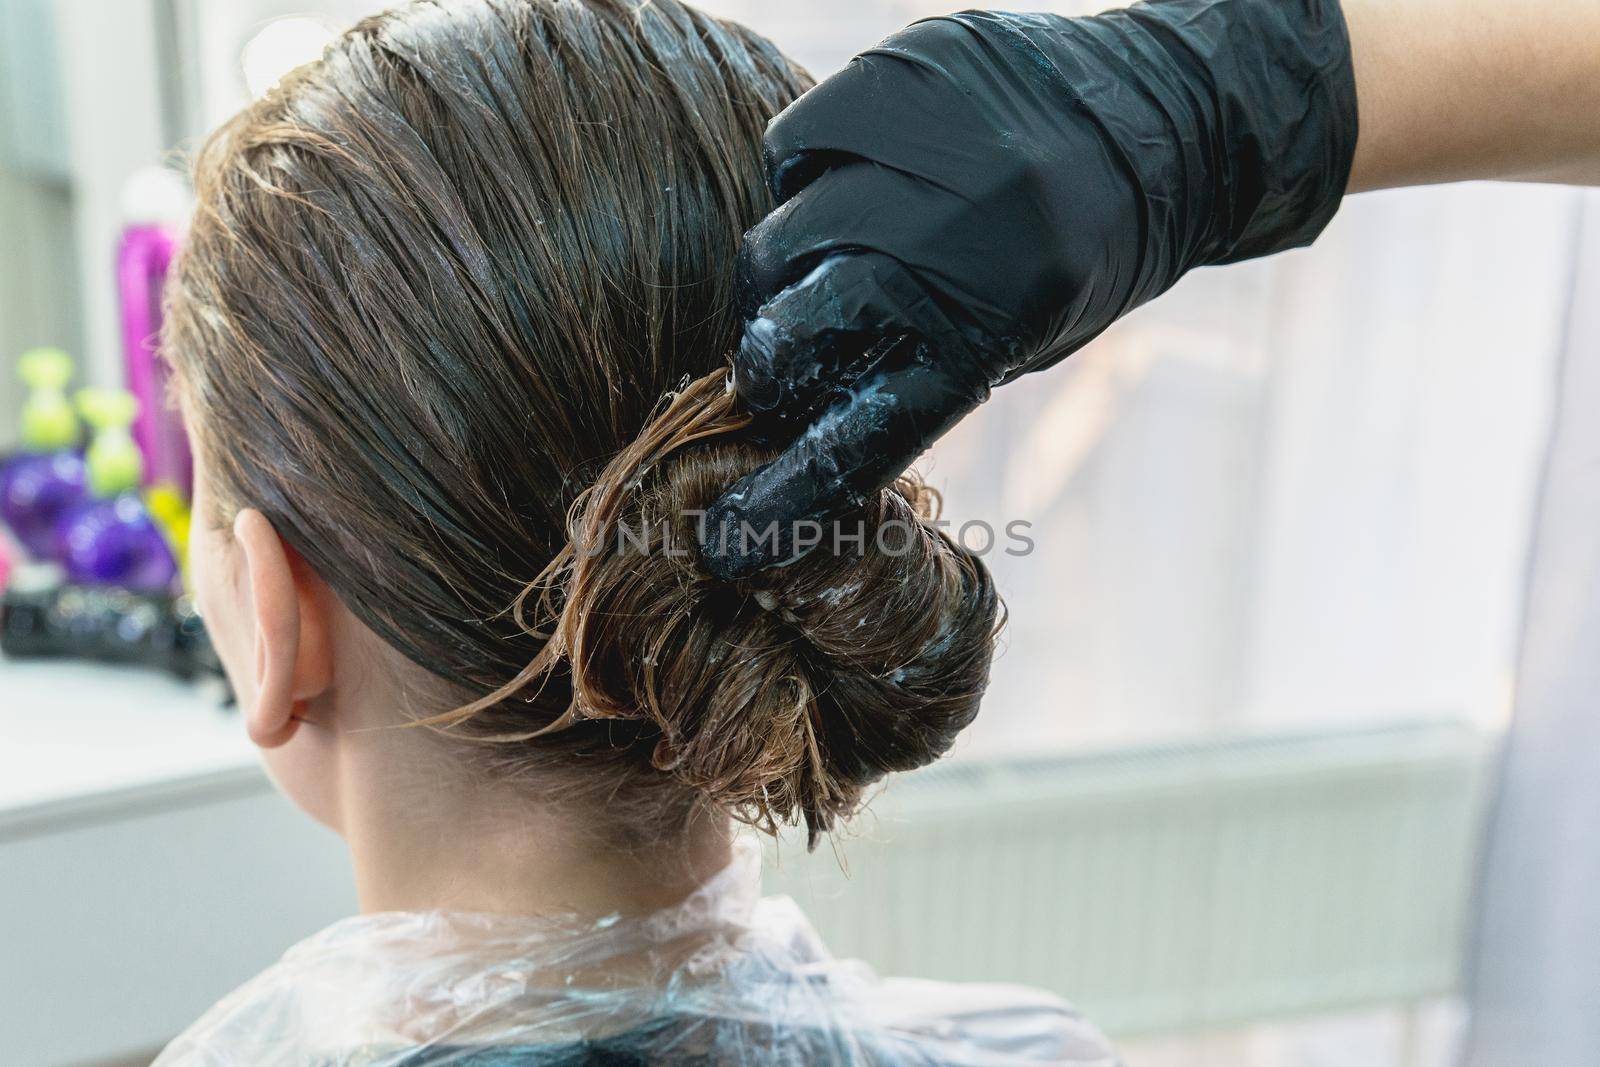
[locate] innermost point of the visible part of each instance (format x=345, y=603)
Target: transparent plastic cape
x=723, y=978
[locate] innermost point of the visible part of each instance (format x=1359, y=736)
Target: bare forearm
x=1453, y=90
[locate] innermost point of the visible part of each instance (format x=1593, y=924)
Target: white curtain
x=1294, y=492
x=1535, y=987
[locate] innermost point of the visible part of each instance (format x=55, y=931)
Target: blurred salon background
x=1290, y=759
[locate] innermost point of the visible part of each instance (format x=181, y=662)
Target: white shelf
x=78, y=737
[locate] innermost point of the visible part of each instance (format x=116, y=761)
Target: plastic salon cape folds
x=724, y=978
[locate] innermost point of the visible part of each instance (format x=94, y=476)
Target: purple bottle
x=47, y=477
x=111, y=538
x=155, y=202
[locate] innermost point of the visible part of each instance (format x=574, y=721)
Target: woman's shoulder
x=991, y=1024
x=754, y=986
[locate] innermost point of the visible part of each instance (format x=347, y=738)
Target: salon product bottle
x=8, y=559
x=46, y=477
x=155, y=201
x=171, y=513
x=111, y=538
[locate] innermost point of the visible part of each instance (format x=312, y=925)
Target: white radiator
x=1170, y=888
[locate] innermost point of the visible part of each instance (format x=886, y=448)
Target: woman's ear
x=293, y=657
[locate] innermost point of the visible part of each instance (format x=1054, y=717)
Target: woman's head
x=469, y=273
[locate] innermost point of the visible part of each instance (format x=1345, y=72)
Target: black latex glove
x=982, y=194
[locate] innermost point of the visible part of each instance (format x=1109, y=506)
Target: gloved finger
x=821, y=334
x=844, y=116
x=854, y=209
x=861, y=443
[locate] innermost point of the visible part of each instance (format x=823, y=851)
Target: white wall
x=111, y=80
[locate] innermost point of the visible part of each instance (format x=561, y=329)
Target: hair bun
x=785, y=695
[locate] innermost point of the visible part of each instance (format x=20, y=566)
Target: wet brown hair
x=455, y=308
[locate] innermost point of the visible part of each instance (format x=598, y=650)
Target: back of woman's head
x=454, y=313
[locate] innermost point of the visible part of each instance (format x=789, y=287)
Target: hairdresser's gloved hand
x=980, y=195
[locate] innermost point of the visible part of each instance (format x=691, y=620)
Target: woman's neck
x=427, y=837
